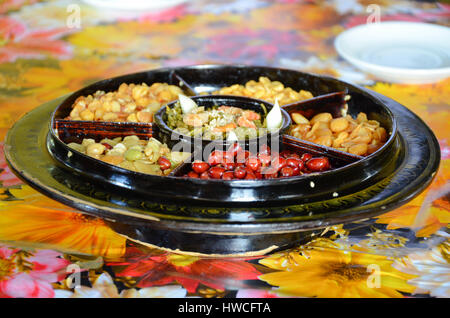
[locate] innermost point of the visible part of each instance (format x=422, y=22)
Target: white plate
x=399, y=52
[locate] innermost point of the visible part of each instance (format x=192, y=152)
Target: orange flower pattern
x=41, y=59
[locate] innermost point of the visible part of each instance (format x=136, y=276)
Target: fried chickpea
x=144, y=117
x=110, y=116
x=87, y=115
x=121, y=104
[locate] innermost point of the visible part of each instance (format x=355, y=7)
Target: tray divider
x=319, y=149
x=334, y=103
x=73, y=131
x=176, y=79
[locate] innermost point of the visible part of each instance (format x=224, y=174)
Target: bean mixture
x=358, y=136
x=236, y=163
x=130, y=103
x=267, y=90
x=145, y=156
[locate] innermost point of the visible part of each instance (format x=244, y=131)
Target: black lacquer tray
x=230, y=218
x=352, y=172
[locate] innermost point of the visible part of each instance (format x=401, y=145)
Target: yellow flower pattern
x=328, y=269
x=34, y=218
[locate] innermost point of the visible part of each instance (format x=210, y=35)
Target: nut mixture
x=267, y=90
x=131, y=103
x=359, y=136
x=145, y=156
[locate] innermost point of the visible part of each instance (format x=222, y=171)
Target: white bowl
x=398, y=52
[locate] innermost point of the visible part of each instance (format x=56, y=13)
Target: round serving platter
x=214, y=229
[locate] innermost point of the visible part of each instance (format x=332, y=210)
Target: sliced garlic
x=187, y=104
x=274, y=118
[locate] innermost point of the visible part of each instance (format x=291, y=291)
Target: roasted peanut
x=358, y=136
x=300, y=130
x=322, y=117
x=340, y=139
x=361, y=118
x=339, y=124
x=380, y=134
x=358, y=149
x=324, y=140
x=299, y=118
x=112, y=159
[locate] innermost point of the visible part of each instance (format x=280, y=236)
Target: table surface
x=47, y=250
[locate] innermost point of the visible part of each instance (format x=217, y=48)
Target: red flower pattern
x=17, y=41
x=188, y=271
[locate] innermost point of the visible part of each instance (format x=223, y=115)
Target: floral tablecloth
x=51, y=48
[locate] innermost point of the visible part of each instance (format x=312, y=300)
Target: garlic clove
x=232, y=136
x=274, y=118
x=187, y=104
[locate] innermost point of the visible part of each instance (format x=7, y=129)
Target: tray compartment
x=170, y=136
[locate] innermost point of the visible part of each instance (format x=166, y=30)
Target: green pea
x=133, y=154
x=130, y=141
x=76, y=146
x=137, y=147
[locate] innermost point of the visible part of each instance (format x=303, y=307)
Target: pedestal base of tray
x=213, y=244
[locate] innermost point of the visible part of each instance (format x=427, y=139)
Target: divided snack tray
x=234, y=217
